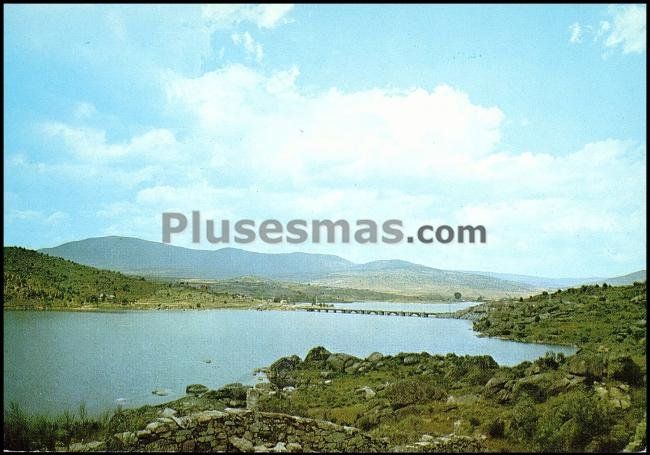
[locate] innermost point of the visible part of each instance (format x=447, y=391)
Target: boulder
x=367, y=392
x=338, y=362
x=411, y=360
x=196, y=389
x=280, y=448
x=252, y=398
x=375, y=357
x=282, y=371
x=234, y=391
x=317, y=355
x=241, y=444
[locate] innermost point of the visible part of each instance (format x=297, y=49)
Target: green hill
x=33, y=279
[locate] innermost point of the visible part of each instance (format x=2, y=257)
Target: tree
x=457, y=295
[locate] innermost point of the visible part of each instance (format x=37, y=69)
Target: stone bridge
x=419, y=314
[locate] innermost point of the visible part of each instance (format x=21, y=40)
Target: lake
x=55, y=360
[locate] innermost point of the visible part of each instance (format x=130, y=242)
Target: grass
x=32, y=432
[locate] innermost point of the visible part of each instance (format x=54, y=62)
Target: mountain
x=420, y=280
x=135, y=256
x=131, y=255
x=630, y=278
x=563, y=283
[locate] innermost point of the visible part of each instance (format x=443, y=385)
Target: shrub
x=571, y=422
x=495, y=427
x=412, y=391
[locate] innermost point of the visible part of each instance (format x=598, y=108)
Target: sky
x=528, y=120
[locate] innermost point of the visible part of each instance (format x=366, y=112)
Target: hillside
x=34, y=280
x=420, y=280
x=562, y=283
x=129, y=255
x=261, y=288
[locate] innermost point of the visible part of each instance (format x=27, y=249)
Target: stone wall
x=240, y=430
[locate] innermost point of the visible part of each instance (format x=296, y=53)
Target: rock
x=494, y=385
x=317, y=354
x=281, y=372
x=93, y=446
x=241, y=444
x=410, y=360
x=592, y=367
x=289, y=389
x=338, y=362
x=375, y=357
x=280, y=448
x=252, y=398
x=367, y=392
x=234, y=391
x=196, y=389
x=468, y=399
x=168, y=412
x=160, y=392
x=615, y=396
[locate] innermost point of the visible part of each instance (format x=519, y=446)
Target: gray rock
x=367, y=392
x=241, y=444
x=410, y=360
x=252, y=398
x=196, y=389
x=168, y=412
x=280, y=448
x=375, y=357
x=338, y=362
x=317, y=354
x=235, y=391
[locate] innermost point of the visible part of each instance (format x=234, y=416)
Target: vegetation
x=34, y=280
x=23, y=431
x=259, y=288
x=593, y=400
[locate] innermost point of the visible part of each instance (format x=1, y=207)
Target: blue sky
x=527, y=119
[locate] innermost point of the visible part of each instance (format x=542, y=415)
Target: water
x=55, y=360
x=442, y=307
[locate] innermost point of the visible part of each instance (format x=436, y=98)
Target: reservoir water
x=53, y=361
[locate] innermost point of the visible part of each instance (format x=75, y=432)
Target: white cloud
x=91, y=144
x=264, y=15
x=576, y=33
x=250, y=45
x=257, y=145
x=629, y=28
x=626, y=30
x=84, y=110
x=35, y=216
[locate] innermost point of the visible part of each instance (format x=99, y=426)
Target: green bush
x=413, y=390
x=571, y=422
x=495, y=427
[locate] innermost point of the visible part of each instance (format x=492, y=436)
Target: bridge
x=419, y=314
